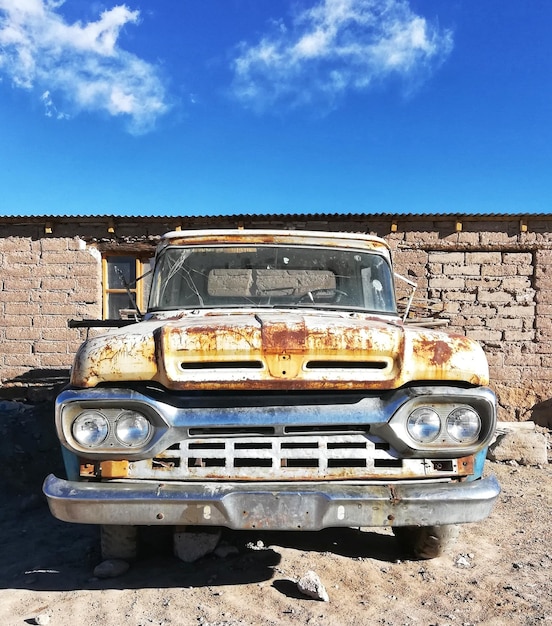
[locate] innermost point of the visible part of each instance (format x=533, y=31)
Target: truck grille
x=277, y=458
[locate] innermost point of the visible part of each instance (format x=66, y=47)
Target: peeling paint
x=277, y=350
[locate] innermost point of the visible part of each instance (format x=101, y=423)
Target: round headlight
x=132, y=428
x=463, y=424
x=90, y=429
x=424, y=424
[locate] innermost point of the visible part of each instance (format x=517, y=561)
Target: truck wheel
x=426, y=542
x=119, y=542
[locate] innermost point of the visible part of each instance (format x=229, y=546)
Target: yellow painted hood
x=278, y=350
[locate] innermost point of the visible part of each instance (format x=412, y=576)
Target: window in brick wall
x=121, y=290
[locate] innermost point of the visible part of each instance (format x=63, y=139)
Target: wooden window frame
x=137, y=289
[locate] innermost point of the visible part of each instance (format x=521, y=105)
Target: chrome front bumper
x=271, y=506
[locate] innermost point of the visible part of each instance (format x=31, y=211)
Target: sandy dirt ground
x=499, y=571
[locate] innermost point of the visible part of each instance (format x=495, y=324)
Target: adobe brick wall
x=489, y=275
x=493, y=282
x=43, y=283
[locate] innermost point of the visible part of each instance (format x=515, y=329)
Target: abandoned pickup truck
x=273, y=385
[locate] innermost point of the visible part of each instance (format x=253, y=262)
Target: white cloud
x=50, y=109
x=80, y=64
x=338, y=46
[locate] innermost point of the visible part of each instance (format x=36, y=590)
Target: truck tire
x=119, y=542
x=426, y=542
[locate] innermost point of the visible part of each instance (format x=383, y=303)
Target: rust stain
x=341, y=475
x=442, y=353
x=281, y=384
x=394, y=499
x=443, y=356
x=277, y=336
x=207, y=339
x=432, y=352
x=282, y=345
x=258, y=237
x=466, y=465
x=87, y=470
x=273, y=351
x=114, y=357
x=190, y=355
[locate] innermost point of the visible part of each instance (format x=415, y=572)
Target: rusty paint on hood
x=121, y=355
x=277, y=350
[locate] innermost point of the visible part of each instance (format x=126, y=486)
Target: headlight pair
x=461, y=425
x=92, y=429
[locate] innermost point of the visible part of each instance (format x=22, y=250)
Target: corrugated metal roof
x=285, y=216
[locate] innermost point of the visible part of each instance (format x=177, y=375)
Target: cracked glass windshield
x=271, y=276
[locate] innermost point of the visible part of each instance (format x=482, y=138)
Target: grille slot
x=213, y=431
x=165, y=463
x=321, y=430
x=347, y=463
x=387, y=462
x=194, y=445
x=299, y=463
x=221, y=365
x=263, y=445
x=194, y=462
x=248, y=462
x=346, y=365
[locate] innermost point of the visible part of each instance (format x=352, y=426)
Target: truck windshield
x=271, y=276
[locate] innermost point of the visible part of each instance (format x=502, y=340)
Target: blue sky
x=215, y=107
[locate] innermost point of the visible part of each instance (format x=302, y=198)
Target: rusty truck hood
x=277, y=350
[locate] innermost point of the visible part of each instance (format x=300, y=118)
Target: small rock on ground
x=525, y=447
x=189, y=545
x=311, y=586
